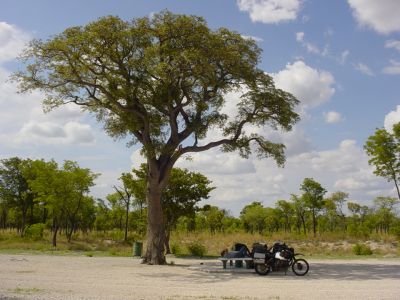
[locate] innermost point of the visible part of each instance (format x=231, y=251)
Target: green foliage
x=313, y=197
x=254, y=217
x=153, y=65
x=176, y=249
x=383, y=148
x=35, y=231
x=197, y=249
x=361, y=249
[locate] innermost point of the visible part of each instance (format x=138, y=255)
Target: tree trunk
x=31, y=214
x=314, y=223
x=397, y=186
x=44, y=215
x=303, y=221
x=126, y=222
x=24, y=211
x=55, y=230
x=155, y=228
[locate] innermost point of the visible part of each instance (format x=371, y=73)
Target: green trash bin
x=137, y=249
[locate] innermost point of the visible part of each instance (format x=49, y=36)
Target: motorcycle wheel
x=300, y=267
x=262, y=269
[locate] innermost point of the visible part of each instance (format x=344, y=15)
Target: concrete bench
x=247, y=260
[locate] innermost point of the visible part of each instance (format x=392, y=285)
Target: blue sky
x=341, y=59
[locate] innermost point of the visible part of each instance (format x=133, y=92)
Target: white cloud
x=395, y=44
x=35, y=132
x=310, y=47
x=299, y=36
x=12, y=41
x=392, y=118
x=393, y=69
x=23, y=121
x=332, y=117
x=312, y=87
x=343, y=168
x=255, y=38
x=137, y=159
x=270, y=11
x=349, y=184
x=364, y=69
x=382, y=16
x=215, y=162
x=337, y=160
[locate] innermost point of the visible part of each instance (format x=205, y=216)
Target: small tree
x=285, y=208
x=314, y=198
x=14, y=188
x=300, y=211
x=63, y=191
x=254, y=217
x=162, y=82
x=385, y=212
x=125, y=194
x=384, y=149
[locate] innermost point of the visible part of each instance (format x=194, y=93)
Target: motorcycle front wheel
x=262, y=269
x=300, y=267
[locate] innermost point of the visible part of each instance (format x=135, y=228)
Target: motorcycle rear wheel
x=300, y=267
x=262, y=269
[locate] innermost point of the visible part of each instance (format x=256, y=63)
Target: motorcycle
x=279, y=258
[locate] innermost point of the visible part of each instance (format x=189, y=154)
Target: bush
x=176, y=249
x=35, y=231
x=197, y=249
x=361, y=249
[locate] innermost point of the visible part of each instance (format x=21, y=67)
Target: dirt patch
x=69, y=277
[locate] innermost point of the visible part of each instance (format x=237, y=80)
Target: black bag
x=259, y=248
x=278, y=247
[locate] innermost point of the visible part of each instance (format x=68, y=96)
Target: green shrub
x=176, y=249
x=361, y=249
x=35, y=231
x=197, y=249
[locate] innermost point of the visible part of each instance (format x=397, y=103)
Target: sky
x=340, y=58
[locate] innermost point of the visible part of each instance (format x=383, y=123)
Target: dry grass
x=111, y=244
x=320, y=246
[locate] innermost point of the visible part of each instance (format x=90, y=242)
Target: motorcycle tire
x=262, y=269
x=300, y=267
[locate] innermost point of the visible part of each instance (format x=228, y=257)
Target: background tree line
x=42, y=194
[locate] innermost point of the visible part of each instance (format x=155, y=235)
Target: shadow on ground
x=347, y=271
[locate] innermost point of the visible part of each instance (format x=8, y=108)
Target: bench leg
x=231, y=263
x=239, y=264
x=224, y=264
x=248, y=264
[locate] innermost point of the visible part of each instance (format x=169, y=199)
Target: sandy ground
x=80, y=277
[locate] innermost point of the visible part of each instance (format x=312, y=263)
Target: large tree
x=162, y=81
x=384, y=149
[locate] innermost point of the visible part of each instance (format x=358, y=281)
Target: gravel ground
x=79, y=277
